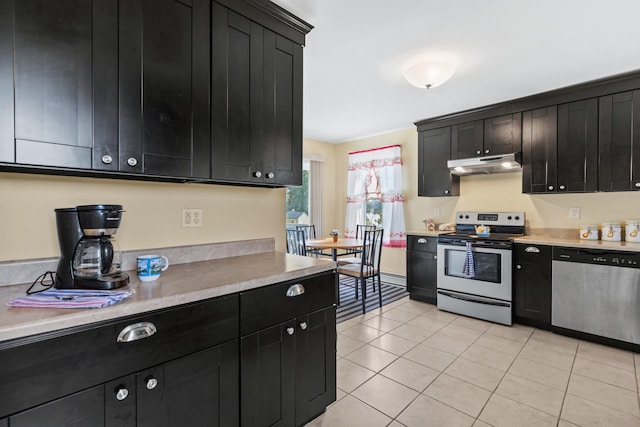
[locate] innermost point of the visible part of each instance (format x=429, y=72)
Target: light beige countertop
x=428, y=233
x=575, y=242
x=180, y=284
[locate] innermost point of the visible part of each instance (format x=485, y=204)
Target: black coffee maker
x=89, y=256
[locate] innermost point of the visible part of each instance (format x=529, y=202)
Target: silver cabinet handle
x=637, y=184
x=532, y=249
x=303, y=325
x=478, y=152
x=562, y=187
x=132, y=161
x=435, y=257
x=107, y=159
x=422, y=240
x=446, y=191
x=257, y=174
x=295, y=290
x=122, y=393
x=518, y=266
x=486, y=151
x=290, y=330
x=137, y=331
x=270, y=175
x=551, y=187
x=151, y=383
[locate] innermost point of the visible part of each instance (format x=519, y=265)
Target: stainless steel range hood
x=488, y=164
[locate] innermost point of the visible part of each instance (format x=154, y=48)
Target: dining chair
x=369, y=266
x=310, y=233
x=296, y=242
x=360, y=229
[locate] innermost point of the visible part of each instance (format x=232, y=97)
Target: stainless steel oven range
x=474, y=270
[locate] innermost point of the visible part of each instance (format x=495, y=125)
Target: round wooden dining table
x=328, y=243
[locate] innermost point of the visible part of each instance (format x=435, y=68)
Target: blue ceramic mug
x=150, y=267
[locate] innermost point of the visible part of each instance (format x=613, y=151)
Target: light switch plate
x=574, y=213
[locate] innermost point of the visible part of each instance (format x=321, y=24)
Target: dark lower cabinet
x=422, y=268
x=532, y=285
x=434, y=178
x=619, y=142
x=288, y=371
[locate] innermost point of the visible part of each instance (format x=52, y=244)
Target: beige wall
x=499, y=192
x=152, y=218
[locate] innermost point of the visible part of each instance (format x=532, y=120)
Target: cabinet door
x=236, y=95
x=120, y=402
x=4, y=423
x=57, y=53
x=196, y=390
x=467, y=140
x=267, y=376
x=315, y=363
x=83, y=409
x=434, y=178
x=163, y=88
x=532, y=285
x=578, y=146
x=503, y=135
x=282, y=152
x=619, y=142
x=422, y=275
x=539, y=151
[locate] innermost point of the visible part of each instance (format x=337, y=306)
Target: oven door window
x=487, y=265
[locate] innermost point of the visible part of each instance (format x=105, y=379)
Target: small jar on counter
x=612, y=231
x=632, y=230
x=589, y=232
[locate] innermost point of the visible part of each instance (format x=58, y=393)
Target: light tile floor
x=409, y=364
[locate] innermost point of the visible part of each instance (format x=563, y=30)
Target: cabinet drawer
x=270, y=305
x=534, y=254
x=422, y=243
x=38, y=369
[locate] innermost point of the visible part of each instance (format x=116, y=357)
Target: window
x=373, y=208
x=297, y=200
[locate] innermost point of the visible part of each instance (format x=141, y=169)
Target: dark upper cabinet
x=467, y=140
x=434, y=178
x=256, y=102
x=163, y=121
x=539, y=150
x=578, y=146
x=52, y=53
x=619, y=142
x=503, y=134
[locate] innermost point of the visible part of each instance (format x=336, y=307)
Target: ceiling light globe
x=428, y=74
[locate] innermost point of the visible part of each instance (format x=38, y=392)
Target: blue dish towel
x=71, y=298
x=469, y=268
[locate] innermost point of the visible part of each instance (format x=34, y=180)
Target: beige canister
x=589, y=232
x=612, y=231
x=632, y=230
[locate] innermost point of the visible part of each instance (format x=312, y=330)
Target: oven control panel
x=491, y=218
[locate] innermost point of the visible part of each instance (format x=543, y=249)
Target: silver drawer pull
x=122, y=393
x=151, y=383
x=532, y=249
x=295, y=290
x=290, y=330
x=137, y=331
x=303, y=325
x=422, y=240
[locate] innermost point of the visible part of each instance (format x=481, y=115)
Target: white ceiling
x=502, y=49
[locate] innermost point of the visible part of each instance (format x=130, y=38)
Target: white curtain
x=385, y=165
x=316, y=173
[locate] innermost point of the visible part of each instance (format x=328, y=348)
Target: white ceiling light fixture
x=428, y=74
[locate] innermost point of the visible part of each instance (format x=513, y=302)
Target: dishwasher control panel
x=597, y=256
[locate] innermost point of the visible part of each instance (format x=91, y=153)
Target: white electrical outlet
x=574, y=213
x=191, y=218
x=436, y=212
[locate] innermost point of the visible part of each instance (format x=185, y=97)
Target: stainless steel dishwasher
x=597, y=291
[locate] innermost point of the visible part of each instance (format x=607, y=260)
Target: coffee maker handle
x=106, y=255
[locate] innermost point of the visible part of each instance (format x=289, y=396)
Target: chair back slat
x=371, y=251
x=361, y=228
x=296, y=242
x=309, y=230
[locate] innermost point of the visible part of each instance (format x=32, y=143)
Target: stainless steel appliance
x=597, y=292
x=89, y=256
x=486, y=293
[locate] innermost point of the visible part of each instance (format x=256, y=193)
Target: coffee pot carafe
x=89, y=255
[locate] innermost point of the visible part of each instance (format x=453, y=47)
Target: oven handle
x=470, y=299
